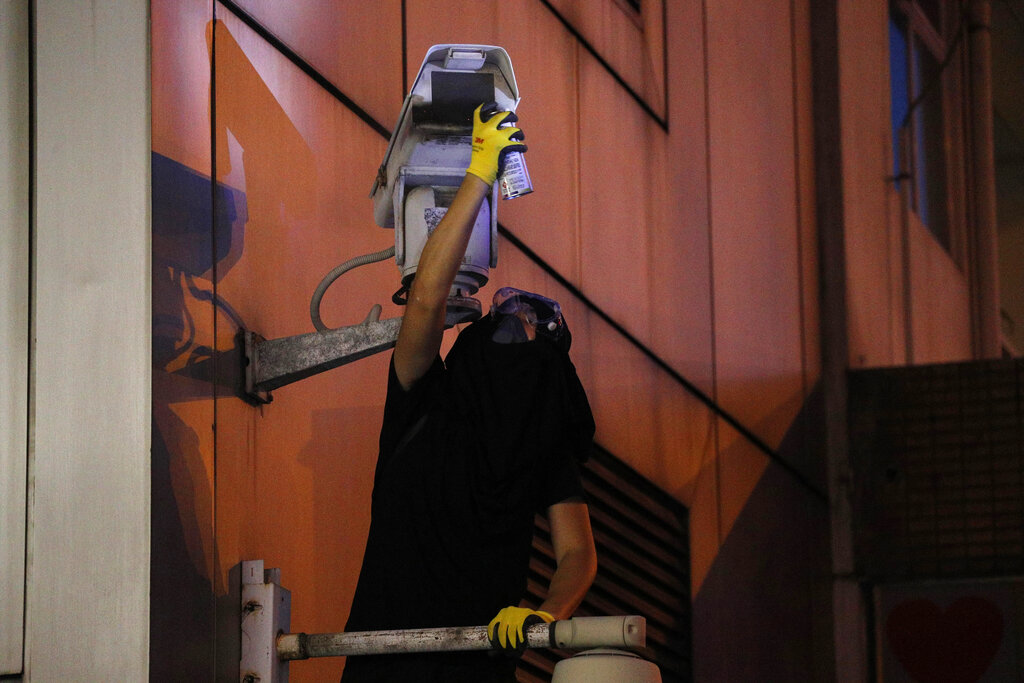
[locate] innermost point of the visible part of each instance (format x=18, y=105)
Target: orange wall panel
x=740, y=466
x=183, y=547
x=434, y=22
x=873, y=234
x=705, y=524
x=615, y=196
x=181, y=82
x=294, y=478
x=806, y=197
x=356, y=45
x=631, y=43
x=940, y=305
x=756, y=246
x=683, y=438
x=680, y=263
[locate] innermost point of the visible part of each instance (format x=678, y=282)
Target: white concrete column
x=87, y=609
x=14, y=306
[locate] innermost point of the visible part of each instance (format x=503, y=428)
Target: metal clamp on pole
x=573, y=634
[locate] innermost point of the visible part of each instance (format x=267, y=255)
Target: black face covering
x=524, y=398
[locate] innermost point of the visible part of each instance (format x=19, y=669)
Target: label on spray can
x=515, y=179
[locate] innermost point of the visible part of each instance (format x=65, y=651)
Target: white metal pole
x=577, y=633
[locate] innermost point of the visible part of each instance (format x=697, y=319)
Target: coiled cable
x=318, y=295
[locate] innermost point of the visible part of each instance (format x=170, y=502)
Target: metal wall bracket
x=266, y=613
x=273, y=363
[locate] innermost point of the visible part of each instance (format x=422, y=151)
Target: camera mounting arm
x=273, y=363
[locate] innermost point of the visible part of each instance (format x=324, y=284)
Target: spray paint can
x=515, y=179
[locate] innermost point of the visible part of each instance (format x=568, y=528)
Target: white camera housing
x=429, y=152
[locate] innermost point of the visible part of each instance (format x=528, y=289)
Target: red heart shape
x=952, y=646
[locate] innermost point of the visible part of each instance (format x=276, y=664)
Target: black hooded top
x=467, y=456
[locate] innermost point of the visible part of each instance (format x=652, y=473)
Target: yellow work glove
x=507, y=630
x=491, y=143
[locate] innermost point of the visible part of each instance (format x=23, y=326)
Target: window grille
x=938, y=458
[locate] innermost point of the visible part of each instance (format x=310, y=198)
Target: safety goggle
x=543, y=313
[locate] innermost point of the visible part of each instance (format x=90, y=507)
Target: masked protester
x=471, y=449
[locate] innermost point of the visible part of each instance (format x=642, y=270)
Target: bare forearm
x=570, y=583
x=575, y=558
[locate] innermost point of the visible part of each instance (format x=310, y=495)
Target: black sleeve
x=403, y=409
x=560, y=481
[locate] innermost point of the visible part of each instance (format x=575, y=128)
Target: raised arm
x=419, y=338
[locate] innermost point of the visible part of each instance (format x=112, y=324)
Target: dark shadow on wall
x=181, y=596
x=803, y=445
x=185, y=228
x=763, y=612
x=184, y=265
